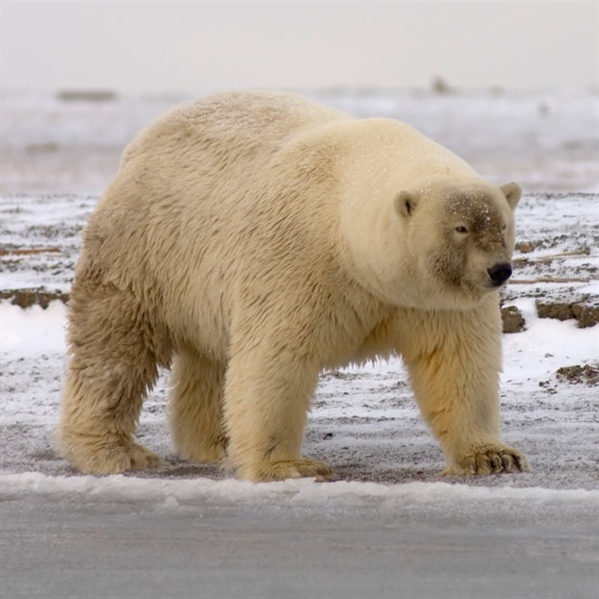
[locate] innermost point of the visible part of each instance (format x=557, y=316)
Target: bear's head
x=459, y=239
x=444, y=243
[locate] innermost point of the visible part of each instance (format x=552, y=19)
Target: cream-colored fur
x=254, y=239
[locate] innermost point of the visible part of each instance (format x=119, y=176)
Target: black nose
x=500, y=273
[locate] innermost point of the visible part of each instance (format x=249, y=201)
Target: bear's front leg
x=266, y=401
x=454, y=360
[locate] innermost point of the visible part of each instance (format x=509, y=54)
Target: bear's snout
x=500, y=273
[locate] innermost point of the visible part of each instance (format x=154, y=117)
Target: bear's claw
x=489, y=460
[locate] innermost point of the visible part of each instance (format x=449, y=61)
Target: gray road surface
x=74, y=547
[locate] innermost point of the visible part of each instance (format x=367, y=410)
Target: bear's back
x=246, y=123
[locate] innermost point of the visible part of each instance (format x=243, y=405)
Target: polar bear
x=253, y=239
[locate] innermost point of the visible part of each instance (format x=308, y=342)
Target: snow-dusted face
x=466, y=238
x=475, y=250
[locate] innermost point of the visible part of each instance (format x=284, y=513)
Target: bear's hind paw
x=207, y=453
x=99, y=456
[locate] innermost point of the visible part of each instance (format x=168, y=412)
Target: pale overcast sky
x=210, y=46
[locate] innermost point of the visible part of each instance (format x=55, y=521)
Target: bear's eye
x=461, y=229
x=503, y=227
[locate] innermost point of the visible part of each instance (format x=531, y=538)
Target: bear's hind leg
x=195, y=410
x=114, y=355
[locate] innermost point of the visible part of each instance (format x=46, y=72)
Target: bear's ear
x=512, y=193
x=405, y=203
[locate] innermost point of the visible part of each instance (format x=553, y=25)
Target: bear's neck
x=373, y=251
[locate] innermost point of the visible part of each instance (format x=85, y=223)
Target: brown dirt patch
x=587, y=374
x=25, y=298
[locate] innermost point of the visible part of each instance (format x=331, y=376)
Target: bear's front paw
x=282, y=469
x=489, y=459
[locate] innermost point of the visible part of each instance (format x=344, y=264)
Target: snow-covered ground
x=57, y=156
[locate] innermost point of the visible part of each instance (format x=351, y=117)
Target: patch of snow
x=33, y=331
